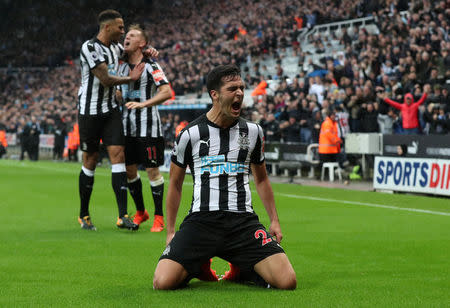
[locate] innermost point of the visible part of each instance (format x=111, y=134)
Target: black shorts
x=107, y=127
x=144, y=150
x=238, y=238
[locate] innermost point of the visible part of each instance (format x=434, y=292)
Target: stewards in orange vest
x=3, y=140
x=72, y=144
x=329, y=141
x=3, y=143
x=260, y=89
x=76, y=131
x=180, y=127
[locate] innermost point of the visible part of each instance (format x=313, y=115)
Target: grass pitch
x=346, y=253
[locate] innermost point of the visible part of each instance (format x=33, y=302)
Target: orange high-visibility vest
x=260, y=89
x=299, y=22
x=329, y=141
x=3, y=140
x=72, y=142
x=180, y=127
x=76, y=130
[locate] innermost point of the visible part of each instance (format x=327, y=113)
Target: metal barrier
x=338, y=26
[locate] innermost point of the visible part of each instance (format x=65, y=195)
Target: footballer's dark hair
x=107, y=15
x=219, y=74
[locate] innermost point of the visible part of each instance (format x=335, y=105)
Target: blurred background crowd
x=409, y=53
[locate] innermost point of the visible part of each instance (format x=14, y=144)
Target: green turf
x=345, y=255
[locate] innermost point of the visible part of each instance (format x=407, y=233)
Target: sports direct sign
x=422, y=175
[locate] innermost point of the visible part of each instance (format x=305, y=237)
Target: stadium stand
x=312, y=56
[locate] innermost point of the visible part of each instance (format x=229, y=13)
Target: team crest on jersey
x=243, y=141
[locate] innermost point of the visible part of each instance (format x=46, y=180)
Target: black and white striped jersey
x=142, y=122
x=219, y=159
x=94, y=98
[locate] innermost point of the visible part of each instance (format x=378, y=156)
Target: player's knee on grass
x=277, y=271
x=286, y=281
x=169, y=275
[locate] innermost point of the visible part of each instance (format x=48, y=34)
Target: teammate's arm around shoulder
x=107, y=80
x=176, y=179
x=265, y=192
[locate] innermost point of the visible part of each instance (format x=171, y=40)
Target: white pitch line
x=56, y=169
x=279, y=194
x=365, y=204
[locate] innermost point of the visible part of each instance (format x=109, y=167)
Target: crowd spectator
x=369, y=118
x=409, y=111
x=408, y=55
x=29, y=139
x=3, y=142
x=329, y=141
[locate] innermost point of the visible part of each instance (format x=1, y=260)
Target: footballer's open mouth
x=127, y=44
x=236, y=106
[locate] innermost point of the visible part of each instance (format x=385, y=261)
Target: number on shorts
x=261, y=233
x=151, y=153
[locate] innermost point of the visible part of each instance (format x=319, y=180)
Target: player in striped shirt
x=220, y=149
x=144, y=141
x=99, y=116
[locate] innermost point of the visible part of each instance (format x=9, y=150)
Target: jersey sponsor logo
x=158, y=75
x=134, y=94
x=111, y=69
x=217, y=165
x=243, y=141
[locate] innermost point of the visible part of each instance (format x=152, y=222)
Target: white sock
x=134, y=180
x=117, y=168
x=87, y=171
x=157, y=182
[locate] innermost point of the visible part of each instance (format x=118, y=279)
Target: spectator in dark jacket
x=305, y=118
x=316, y=122
x=271, y=129
x=369, y=118
x=60, y=134
x=291, y=130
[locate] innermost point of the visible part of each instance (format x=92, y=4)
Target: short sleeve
x=155, y=70
x=182, y=150
x=257, y=156
x=92, y=55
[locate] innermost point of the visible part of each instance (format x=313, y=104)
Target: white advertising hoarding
x=421, y=175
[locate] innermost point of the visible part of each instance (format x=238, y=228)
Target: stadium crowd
x=409, y=55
